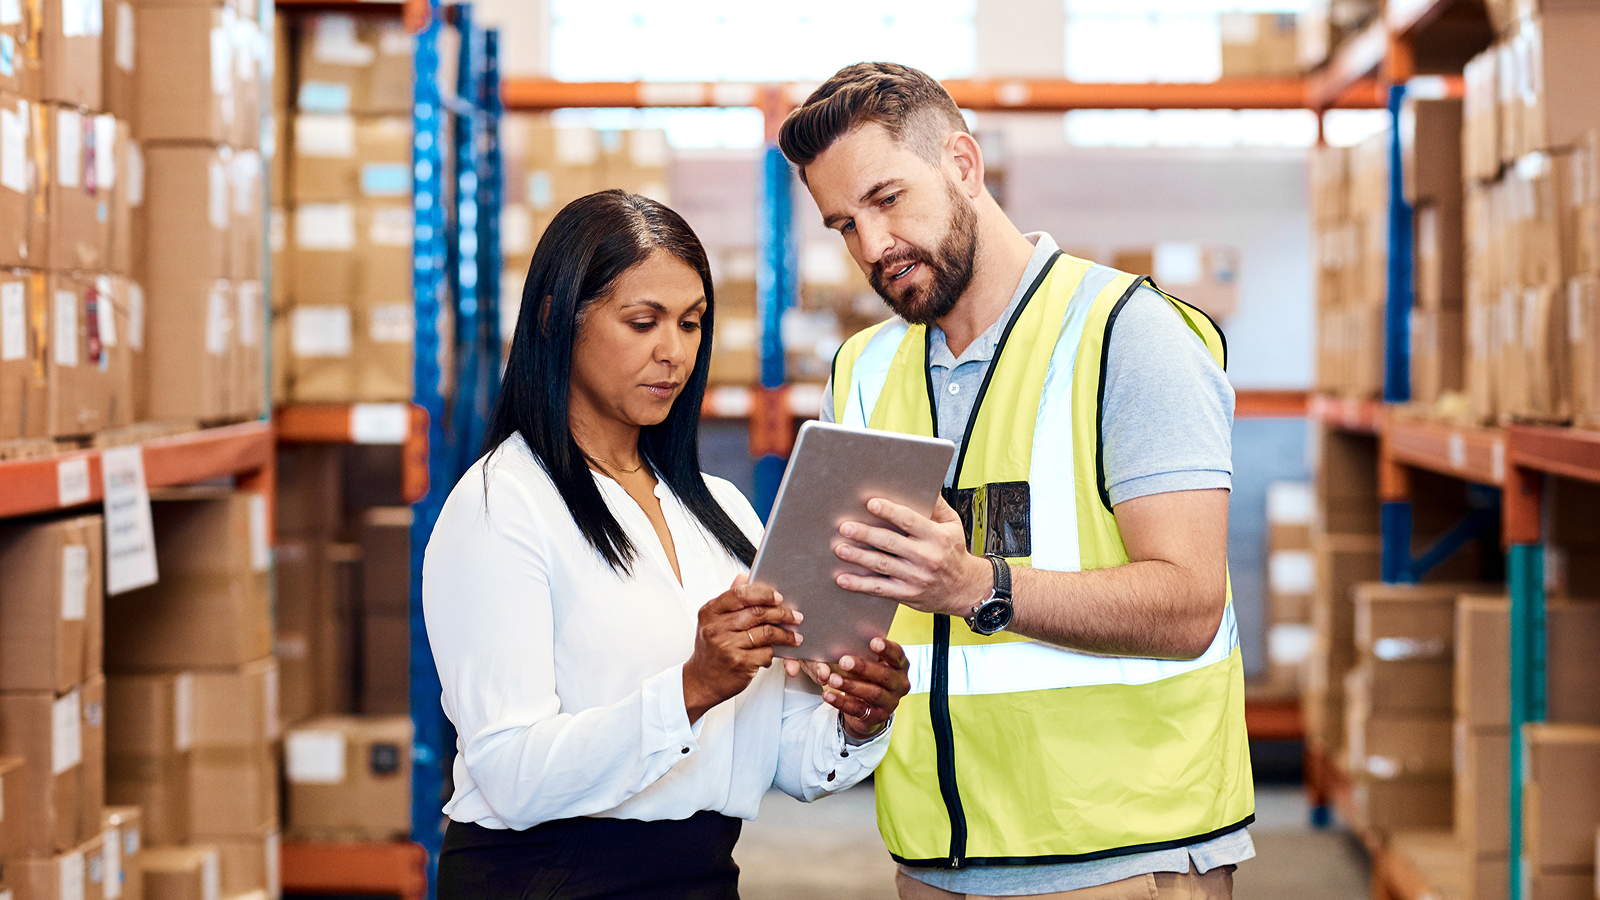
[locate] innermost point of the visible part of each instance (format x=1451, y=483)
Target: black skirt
x=587, y=859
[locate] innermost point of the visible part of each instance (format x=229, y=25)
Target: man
x=1076, y=724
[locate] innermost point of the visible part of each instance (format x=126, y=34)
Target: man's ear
x=962, y=151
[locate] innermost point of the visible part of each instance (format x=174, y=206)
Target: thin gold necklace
x=592, y=458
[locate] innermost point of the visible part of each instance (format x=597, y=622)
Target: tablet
x=832, y=473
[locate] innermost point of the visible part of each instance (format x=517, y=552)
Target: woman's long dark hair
x=586, y=247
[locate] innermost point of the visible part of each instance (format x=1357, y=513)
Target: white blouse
x=564, y=678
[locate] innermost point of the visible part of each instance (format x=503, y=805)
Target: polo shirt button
x=955, y=388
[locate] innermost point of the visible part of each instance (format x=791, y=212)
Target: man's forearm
x=1149, y=609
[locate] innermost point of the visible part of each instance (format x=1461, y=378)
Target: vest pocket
x=996, y=517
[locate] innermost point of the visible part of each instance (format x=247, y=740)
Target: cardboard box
x=52, y=576
x=232, y=790
x=11, y=773
x=1441, y=262
x=1438, y=355
x=1572, y=641
x=385, y=663
x=124, y=840
x=1487, y=878
x=349, y=777
x=247, y=389
x=1203, y=277
x=1483, y=638
x=1483, y=779
x=82, y=175
x=354, y=64
x=118, y=59
x=1557, y=74
x=24, y=224
x=1384, y=744
x=247, y=193
x=310, y=648
x=1430, y=151
x=1561, y=795
x=53, y=877
x=250, y=863
x=236, y=707
x=340, y=158
x=1401, y=804
x=24, y=33
x=78, y=394
x=310, y=494
x=185, y=64
x=92, y=773
x=182, y=873
x=46, y=731
x=157, y=785
x=212, y=606
x=1583, y=348
x=1259, y=45
x=127, y=205
x=70, y=53
x=1406, y=621
x=190, y=367
x=1572, y=885
x=150, y=715
x=25, y=338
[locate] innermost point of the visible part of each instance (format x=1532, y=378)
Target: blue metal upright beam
x=1397, y=319
x=777, y=287
x=464, y=265
x=491, y=194
x=432, y=742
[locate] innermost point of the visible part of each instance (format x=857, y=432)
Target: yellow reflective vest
x=1009, y=751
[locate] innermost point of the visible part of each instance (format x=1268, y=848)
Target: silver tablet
x=832, y=474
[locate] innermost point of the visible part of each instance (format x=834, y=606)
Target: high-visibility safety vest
x=1009, y=751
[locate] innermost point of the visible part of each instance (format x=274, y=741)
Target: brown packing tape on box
x=157, y=785
x=70, y=54
x=46, y=731
x=52, y=576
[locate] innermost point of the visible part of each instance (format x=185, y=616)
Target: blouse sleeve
x=486, y=597
x=813, y=758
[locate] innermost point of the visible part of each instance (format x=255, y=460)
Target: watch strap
x=1002, y=576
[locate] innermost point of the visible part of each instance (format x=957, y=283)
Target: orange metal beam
x=392, y=868
x=537, y=94
x=1273, y=720
x=334, y=423
x=1270, y=404
x=1358, y=58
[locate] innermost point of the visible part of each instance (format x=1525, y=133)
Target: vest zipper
x=944, y=740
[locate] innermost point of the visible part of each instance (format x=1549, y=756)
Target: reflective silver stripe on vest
x=1014, y=666
x=871, y=372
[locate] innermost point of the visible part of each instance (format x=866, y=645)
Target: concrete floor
x=830, y=850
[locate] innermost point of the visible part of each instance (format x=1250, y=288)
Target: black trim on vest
x=1062, y=858
x=1100, y=397
x=944, y=741
x=1221, y=335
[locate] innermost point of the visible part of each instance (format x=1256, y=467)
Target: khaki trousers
x=1216, y=884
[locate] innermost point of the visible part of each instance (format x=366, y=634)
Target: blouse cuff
x=669, y=724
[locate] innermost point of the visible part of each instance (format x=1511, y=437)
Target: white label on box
x=221, y=62
x=135, y=316
x=74, y=582
x=324, y=96
x=105, y=156
x=107, y=319
x=217, y=319
x=1238, y=28
x=1456, y=450
x=183, y=712
x=335, y=42
x=379, y=423
x=1291, y=572
x=516, y=231
x=125, y=36
x=14, y=150
x=288, y=645
x=315, y=757
x=112, y=851
x=249, y=299
x=1497, y=460
x=135, y=185
x=72, y=863
x=72, y=481
x=648, y=148
x=577, y=146
x=66, y=735
x=131, y=842
x=1575, y=311
x=217, y=198
x=274, y=877
x=210, y=877
x=391, y=324
x=96, y=865
x=278, y=230
x=325, y=226
x=10, y=12
x=327, y=137
x=269, y=703
x=1177, y=263
x=74, y=18
x=66, y=328
x=246, y=182
x=130, y=538
x=1290, y=503
x=320, y=331
x=69, y=148
x=392, y=226
x=260, y=550
x=386, y=180
x=396, y=41
x=1290, y=643
x=92, y=15
x=1395, y=649
x=13, y=321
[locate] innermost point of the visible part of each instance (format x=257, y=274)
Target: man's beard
x=949, y=269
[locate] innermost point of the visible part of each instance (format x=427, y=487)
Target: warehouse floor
x=830, y=850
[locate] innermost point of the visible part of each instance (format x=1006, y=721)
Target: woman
x=587, y=607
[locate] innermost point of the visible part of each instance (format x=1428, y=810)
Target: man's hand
x=928, y=568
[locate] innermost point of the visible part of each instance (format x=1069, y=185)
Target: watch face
x=992, y=617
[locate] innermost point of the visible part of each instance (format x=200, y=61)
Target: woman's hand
x=738, y=629
x=866, y=692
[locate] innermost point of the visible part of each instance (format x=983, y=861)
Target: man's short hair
x=913, y=108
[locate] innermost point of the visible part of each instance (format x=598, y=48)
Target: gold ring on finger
x=751, y=635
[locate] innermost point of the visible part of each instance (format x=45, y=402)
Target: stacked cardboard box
x=344, y=234
x=385, y=646
x=349, y=778
x=1430, y=156
x=1291, y=583
x=193, y=712
x=1203, y=277
x=314, y=617
x=1482, y=743
x=1259, y=45
x=1350, y=204
x=1560, y=810
x=52, y=705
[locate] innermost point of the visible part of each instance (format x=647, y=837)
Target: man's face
x=907, y=224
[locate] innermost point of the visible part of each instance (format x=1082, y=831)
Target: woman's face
x=636, y=346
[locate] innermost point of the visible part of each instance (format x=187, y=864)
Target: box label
x=396, y=42
x=577, y=147
x=249, y=301
x=648, y=148
x=320, y=331
x=130, y=537
x=336, y=43
x=274, y=877
x=260, y=550
x=66, y=736
x=14, y=149
x=107, y=320
x=217, y=319
x=74, y=583
x=392, y=226
x=269, y=705
x=10, y=12
x=66, y=328
x=327, y=137
x=324, y=97
x=135, y=186
x=379, y=423
x=13, y=322
x=135, y=316
x=1291, y=572
x=72, y=887
x=113, y=863
x=391, y=324
x=69, y=146
x=124, y=50
x=246, y=181
x=217, y=199
x=74, y=18
x=72, y=481
x=211, y=877
x=183, y=712
x=325, y=226
x=315, y=757
x=386, y=180
x=105, y=157
x=222, y=61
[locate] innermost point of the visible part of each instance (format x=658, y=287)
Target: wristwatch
x=994, y=614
